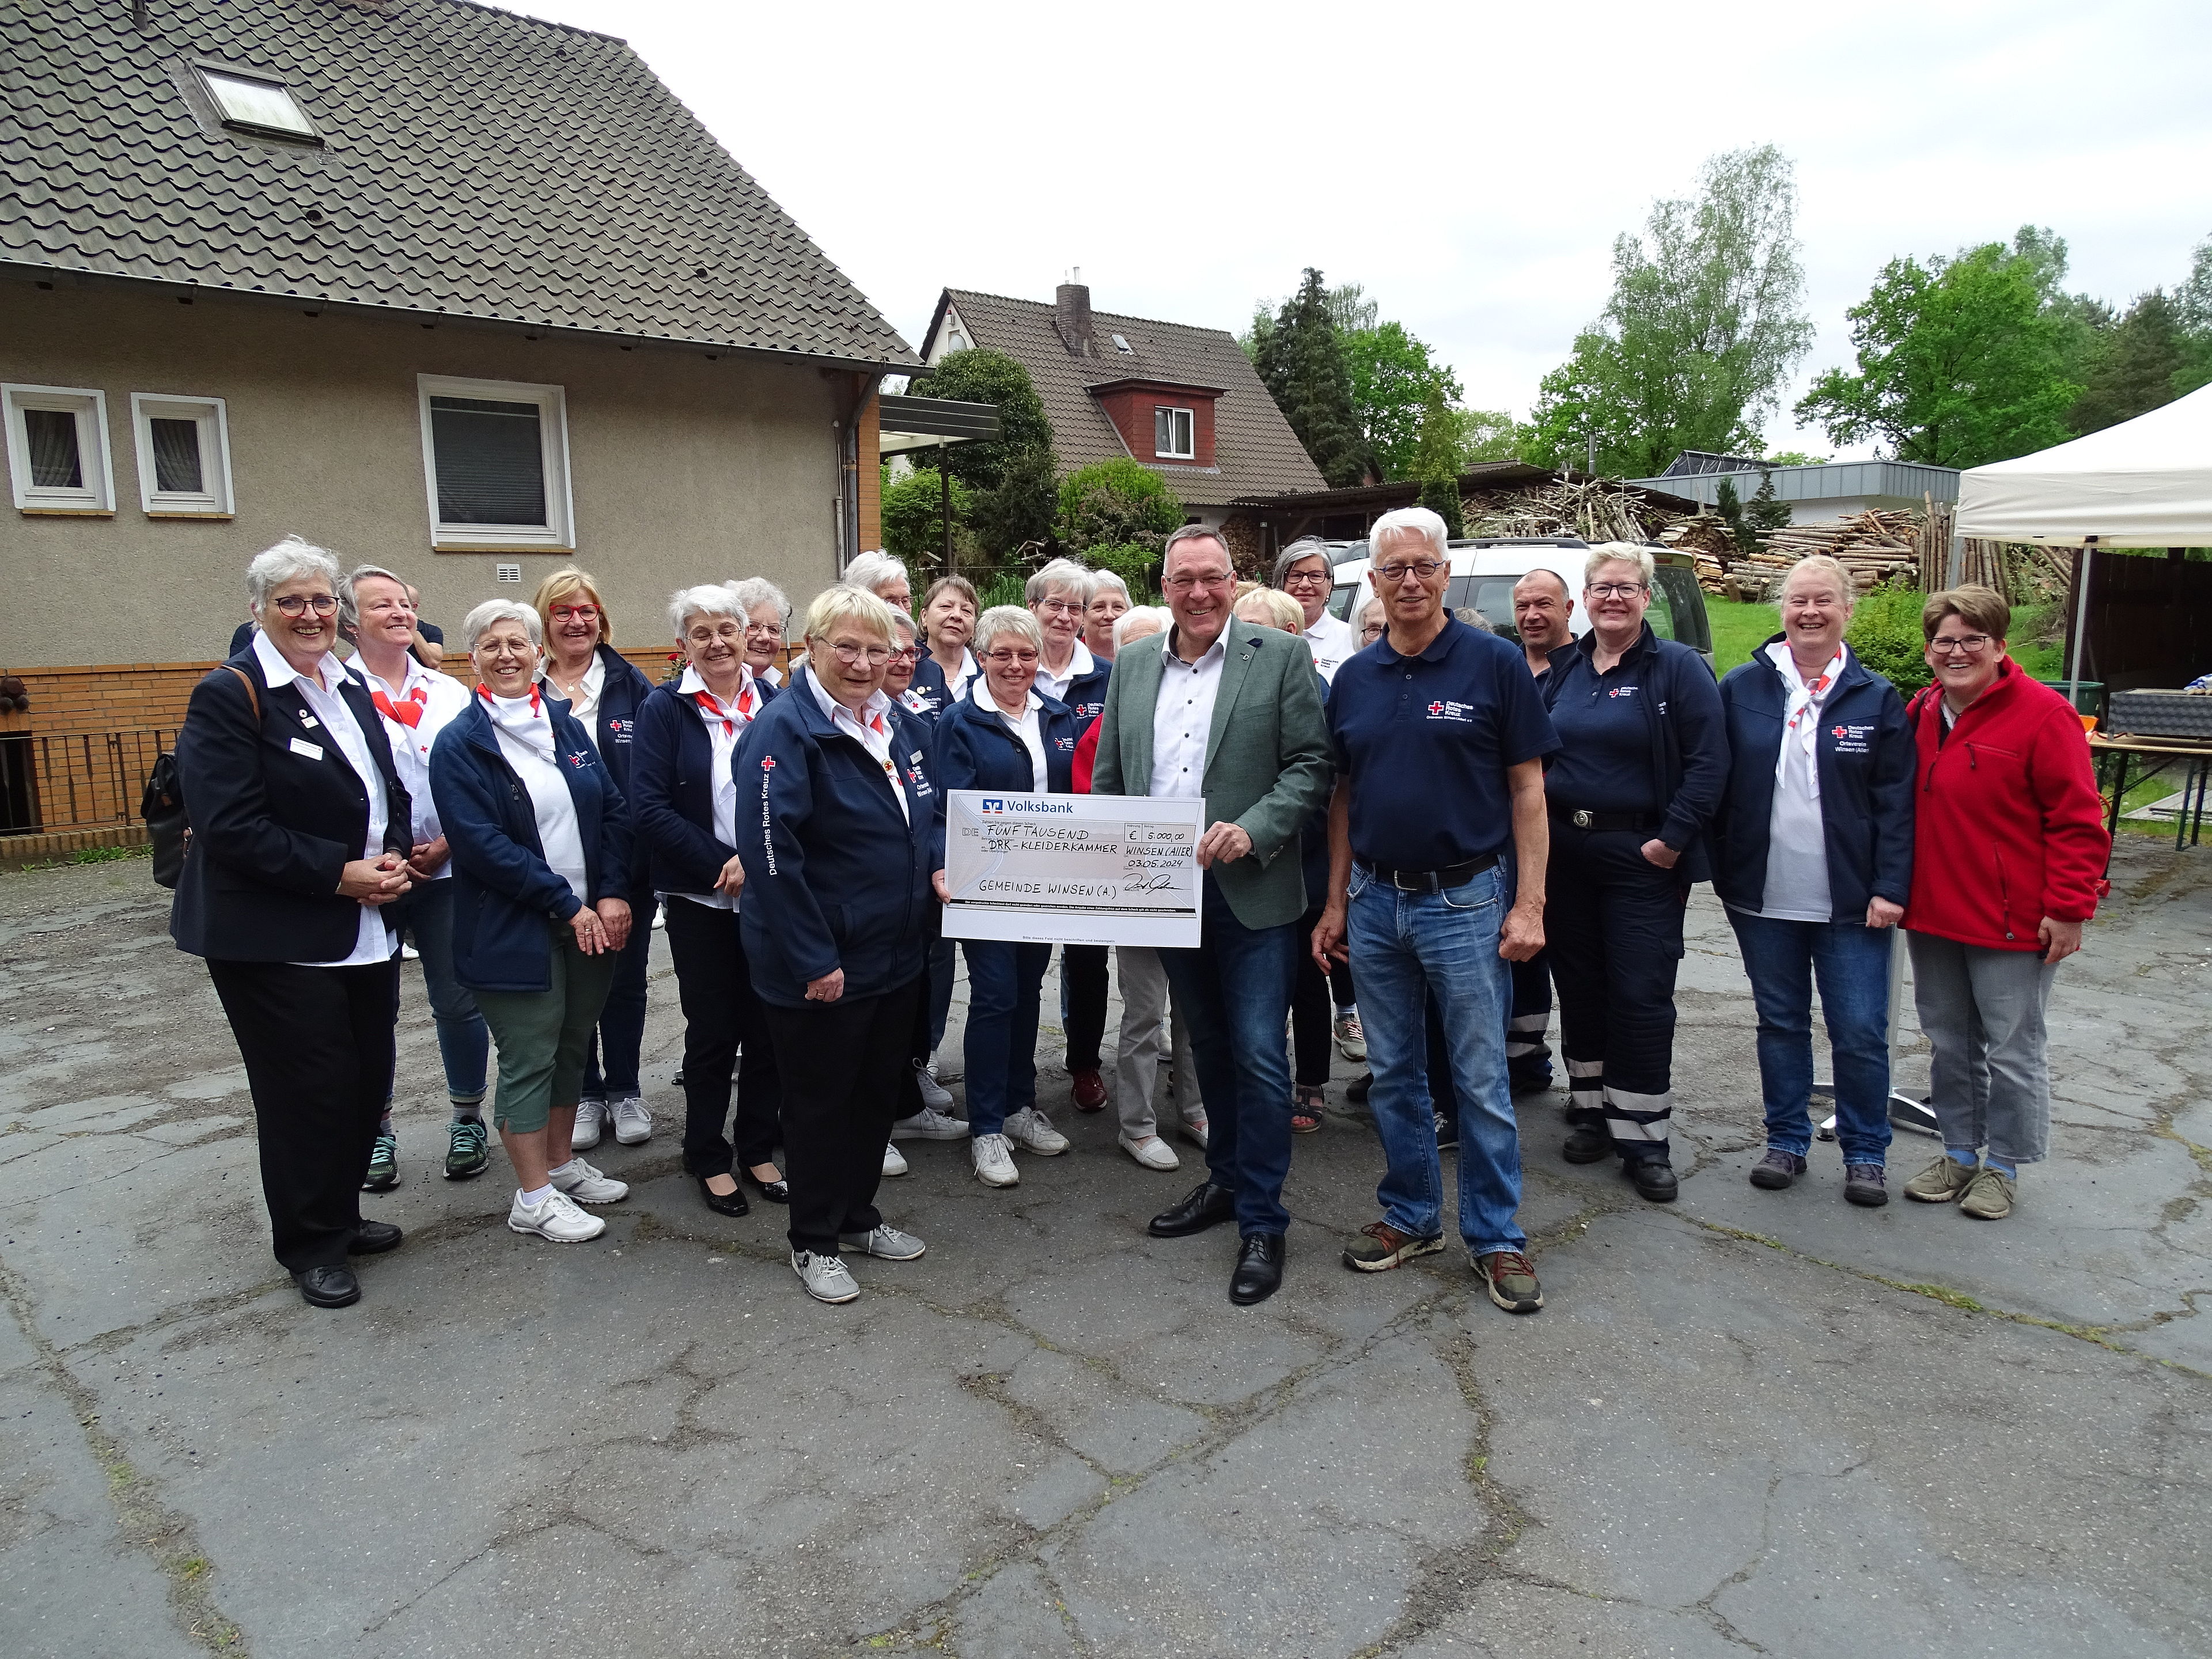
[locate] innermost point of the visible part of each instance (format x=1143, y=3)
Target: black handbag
x=162, y=806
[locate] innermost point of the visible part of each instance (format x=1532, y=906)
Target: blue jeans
x=1004, y=982
x=621, y=1030
x=1235, y=990
x=1406, y=947
x=463, y=1042
x=1852, y=961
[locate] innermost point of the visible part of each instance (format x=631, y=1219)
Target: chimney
x=1071, y=303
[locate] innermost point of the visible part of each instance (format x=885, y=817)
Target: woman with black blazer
x=301, y=833
x=1006, y=735
x=844, y=863
x=540, y=838
x=605, y=691
x=1812, y=856
x=686, y=794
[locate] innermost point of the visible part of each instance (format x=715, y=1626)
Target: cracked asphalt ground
x=1749, y=1422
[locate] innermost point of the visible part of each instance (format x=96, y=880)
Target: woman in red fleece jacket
x=2008, y=859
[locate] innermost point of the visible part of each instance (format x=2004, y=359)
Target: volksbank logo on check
x=1025, y=804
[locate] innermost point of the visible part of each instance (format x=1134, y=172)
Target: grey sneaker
x=826, y=1277
x=930, y=1124
x=633, y=1123
x=1033, y=1131
x=1943, y=1182
x=1866, y=1185
x=586, y=1185
x=1510, y=1278
x=1776, y=1169
x=1989, y=1198
x=935, y=1096
x=591, y=1124
x=884, y=1242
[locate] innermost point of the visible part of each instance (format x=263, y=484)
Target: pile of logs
x=1872, y=546
x=1711, y=545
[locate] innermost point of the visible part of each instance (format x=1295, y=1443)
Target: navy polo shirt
x=1426, y=742
x=1604, y=764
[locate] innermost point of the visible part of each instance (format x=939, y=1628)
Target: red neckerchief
x=707, y=700
x=486, y=695
x=407, y=711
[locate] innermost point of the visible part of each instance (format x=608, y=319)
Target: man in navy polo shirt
x=1440, y=736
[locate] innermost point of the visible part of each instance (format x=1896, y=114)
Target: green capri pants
x=542, y=1036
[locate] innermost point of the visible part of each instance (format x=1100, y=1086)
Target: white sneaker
x=885, y=1244
x=1194, y=1127
x=935, y=1096
x=660, y=919
x=409, y=953
x=826, y=1277
x=948, y=1069
x=557, y=1218
x=929, y=1124
x=995, y=1161
x=1152, y=1151
x=894, y=1161
x=633, y=1123
x=1033, y=1130
x=586, y=1185
x=591, y=1124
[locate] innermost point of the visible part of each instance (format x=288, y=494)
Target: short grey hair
x=479, y=621
x=1306, y=547
x=1105, y=580
x=1006, y=619
x=293, y=556
x=754, y=591
x=708, y=599
x=873, y=569
x=1606, y=553
x=1191, y=532
x=905, y=624
x=349, y=602
x=1409, y=521
x=1049, y=579
x=1140, y=620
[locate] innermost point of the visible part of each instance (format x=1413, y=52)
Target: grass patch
x=1739, y=629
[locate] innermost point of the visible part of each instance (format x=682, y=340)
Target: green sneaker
x=1943, y=1182
x=466, y=1154
x=383, y=1165
x=1510, y=1278
x=1380, y=1247
x=1990, y=1197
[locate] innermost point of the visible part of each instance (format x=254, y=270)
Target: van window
x=1491, y=595
x=1674, y=592
x=1339, y=600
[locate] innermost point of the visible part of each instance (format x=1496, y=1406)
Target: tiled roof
x=476, y=163
x=1255, y=452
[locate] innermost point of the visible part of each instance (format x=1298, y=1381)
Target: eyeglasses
x=1185, y=584
x=872, y=655
x=764, y=630
x=1423, y=569
x=1371, y=633
x=707, y=635
x=1309, y=578
x=1004, y=658
x=1970, y=645
x=1614, y=590
x=1060, y=607
x=575, y=612
x=904, y=653
x=298, y=604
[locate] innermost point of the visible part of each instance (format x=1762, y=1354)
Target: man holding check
x=1232, y=712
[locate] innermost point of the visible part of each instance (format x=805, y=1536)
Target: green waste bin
x=2088, y=697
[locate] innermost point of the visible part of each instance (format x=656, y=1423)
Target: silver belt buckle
x=1580, y=818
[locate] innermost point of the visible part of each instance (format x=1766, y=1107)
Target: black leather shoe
x=1259, y=1272
x=1586, y=1143
x=1208, y=1206
x=1357, y=1089
x=729, y=1203
x=329, y=1288
x=771, y=1192
x=374, y=1238
x=1654, y=1178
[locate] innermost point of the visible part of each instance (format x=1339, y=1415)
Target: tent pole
x=2080, y=624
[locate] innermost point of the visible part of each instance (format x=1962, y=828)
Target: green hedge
x=1885, y=633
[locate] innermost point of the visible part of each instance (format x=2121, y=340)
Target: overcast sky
x=1470, y=164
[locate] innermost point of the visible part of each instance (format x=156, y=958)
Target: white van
x=1483, y=572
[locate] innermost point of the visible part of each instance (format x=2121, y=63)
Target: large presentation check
x=1073, y=869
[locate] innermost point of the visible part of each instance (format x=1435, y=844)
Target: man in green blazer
x=1219, y=709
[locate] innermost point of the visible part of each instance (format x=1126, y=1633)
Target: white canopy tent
x=2145, y=483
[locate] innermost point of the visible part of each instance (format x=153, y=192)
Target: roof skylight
x=252, y=105
x=1121, y=344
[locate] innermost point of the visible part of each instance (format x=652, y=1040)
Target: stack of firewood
x=1711, y=545
x=1872, y=546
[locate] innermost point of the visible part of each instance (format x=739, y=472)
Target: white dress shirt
x=722, y=735
x=873, y=726
x=441, y=696
x=1332, y=641
x=585, y=705
x=956, y=685
x=373, y=943
x=1183, y=719
x=1026, y=728
x=1079, y=663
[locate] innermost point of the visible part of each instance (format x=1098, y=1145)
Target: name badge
x=306, y=720
x=310, y=750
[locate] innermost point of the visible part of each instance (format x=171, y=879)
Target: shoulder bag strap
x=252, y=697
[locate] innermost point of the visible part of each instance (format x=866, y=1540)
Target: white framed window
x=183, y=455
x=262, y=104
x=1175, y=434
x=496, y=456
x=58, y=454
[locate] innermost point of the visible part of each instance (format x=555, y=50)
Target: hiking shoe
x=1380, y=1247
x=1032, y=1130
x=383, y=1165
x=885, y=1243
x=1510, y=1278
x=1776, y=1169
x=1654, y=1178
x=592, y=1122
x=633, y=1123
x=994, y=1161
x=826, y=1277
x=1351, y=1035
x=935, y=1096
x=894, y=1160
x=1586, y=1143
x=581, y=1181
x=1943, y=1182
x=930, y=1124
x=468, y=1151
x=555, y=1217
x=1866, y=1185
x=1988, y=1197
